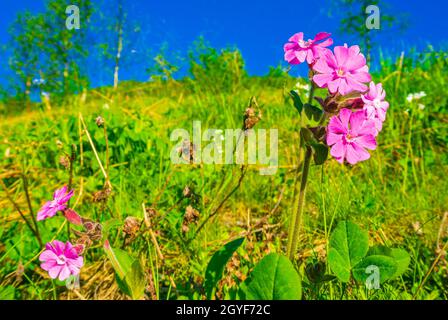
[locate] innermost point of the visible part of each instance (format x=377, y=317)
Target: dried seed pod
x=191, y=214
x=151, y=212
x=185, y=228
x=131, y=226
x=64, y=161
x=99, y=121
x=102, y=195
x=187, y=192
x=93, y=229
x=252, y=115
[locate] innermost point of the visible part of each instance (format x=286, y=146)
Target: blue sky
x=257, y=28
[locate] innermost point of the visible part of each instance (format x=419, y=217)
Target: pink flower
x=60, y=198
x=349, y=134
x=344, y=71
x=298, y=50
x=61, y=260
x=374, y=104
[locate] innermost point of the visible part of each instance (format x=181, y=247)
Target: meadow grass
x=399, y=195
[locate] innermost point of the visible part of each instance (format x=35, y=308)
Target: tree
x=353, y=17
x=45, y=54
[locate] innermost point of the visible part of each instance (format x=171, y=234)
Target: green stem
x=295, y=225
x=294, y=238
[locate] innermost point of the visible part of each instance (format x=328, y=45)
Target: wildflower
x=344, y=71
x=305, y=87
x=61, y=260
x=60, y=199
x=415, y=96
x=298, y=50
x=421, y=106
x=349, y=134
x=374, y=104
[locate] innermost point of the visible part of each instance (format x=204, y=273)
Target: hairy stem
x=294, y=238
x=294, y=227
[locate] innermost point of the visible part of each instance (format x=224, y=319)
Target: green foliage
x=217, y=264
x=348, y=245
x=216, y=70
x=386, y=267
x=129, y=273
x=273, y=278
x=349, y=254
x=399, y=256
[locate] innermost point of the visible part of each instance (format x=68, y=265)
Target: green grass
x=399, y=195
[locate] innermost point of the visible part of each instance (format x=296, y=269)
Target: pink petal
x=367, y=141
x=341, y=54
x=65, y=273
x=296, y=37
x=355, y=85
x=338, y=149
x=334, y=85
x=321, y=35
x=301, y=55
x=54, y=272
x=48, y=265
x=361, y=77
x=47, y=255
x=352, y=155
x=344, y=116
x=322, y=79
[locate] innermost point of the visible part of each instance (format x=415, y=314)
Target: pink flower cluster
x=59, y=259
x=343, y=71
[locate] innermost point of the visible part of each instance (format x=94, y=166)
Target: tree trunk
x=119, y=42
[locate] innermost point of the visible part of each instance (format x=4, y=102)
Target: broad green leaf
x=217, y=264
x=296, y=100
x=307, y=136
x=273, y=278
x=313, y=113
x=383, y=265
x=348, y=245
x=320, y=153
x=129, y=274
x=400, y=256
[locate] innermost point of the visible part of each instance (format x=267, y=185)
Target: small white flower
x=415, y=96
x=305, y=87
x=421, y=106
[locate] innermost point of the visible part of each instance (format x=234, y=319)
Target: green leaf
x=320, y=153
x=313, y=113
x=308, y=136
x=217, y=264
x=273, y=278
x=129, y=273
x=296, y=100
x=385, y=266
x=400, y=256
x=348, y=245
